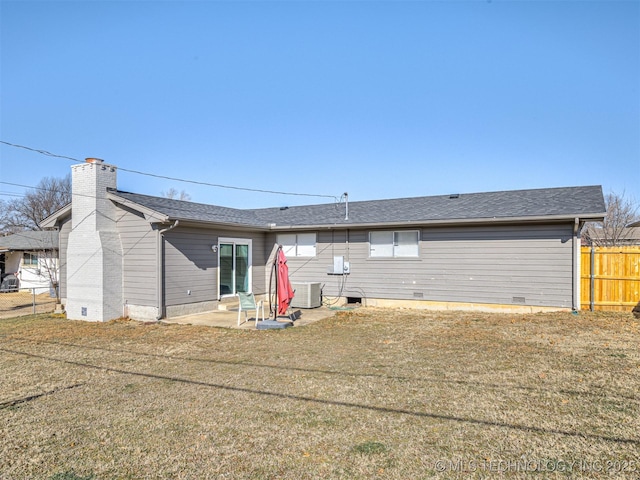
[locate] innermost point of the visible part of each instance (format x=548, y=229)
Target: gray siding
x=63, y=238
x=139, y=250
x=529, y=265
x=190, y=264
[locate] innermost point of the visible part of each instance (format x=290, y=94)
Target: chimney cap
x=97, y=161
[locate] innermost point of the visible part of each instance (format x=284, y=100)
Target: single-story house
x=598, y=235
x=32, y=256
x=149, y=257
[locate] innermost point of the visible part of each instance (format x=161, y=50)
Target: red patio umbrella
x=283, y=285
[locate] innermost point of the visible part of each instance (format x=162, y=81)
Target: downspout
x=160, y=267
x=577, y=231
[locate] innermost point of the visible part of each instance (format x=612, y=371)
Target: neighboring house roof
x=586, y=203
x=600, y=235
x=545, y=204
x=30, y=241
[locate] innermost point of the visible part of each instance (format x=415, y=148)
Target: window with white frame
x=394, y=244
x=29, y=259
x=298, y=244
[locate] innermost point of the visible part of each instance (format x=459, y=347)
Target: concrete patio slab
x=229, y=318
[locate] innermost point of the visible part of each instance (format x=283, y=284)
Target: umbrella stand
x=273, y=323
x=273, y=306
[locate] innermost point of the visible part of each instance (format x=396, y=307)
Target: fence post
x=591, y=277
x=33, y=291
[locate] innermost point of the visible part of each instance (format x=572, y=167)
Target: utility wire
x=12, y=194
x=184, y=208
x=34, y=187
x=42, y=188
x=43, y=152
x=175, y=179
x=217, y=185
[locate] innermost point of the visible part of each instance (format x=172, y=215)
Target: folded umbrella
x=284, y=290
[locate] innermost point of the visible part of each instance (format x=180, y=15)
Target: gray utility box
x=307, y=295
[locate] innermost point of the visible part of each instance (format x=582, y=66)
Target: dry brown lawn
x=367, y=394
x=13, y=304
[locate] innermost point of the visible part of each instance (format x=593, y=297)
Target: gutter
x=590, y=217
x=160, y=268
x=238, y=226
x=577, y=232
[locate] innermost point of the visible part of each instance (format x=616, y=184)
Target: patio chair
x=248, y=302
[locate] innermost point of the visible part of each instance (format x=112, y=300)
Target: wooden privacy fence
x=610, y=278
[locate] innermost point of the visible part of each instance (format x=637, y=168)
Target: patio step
x=228, y=303
x=231, y=303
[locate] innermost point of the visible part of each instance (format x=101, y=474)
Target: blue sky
x=378, y=99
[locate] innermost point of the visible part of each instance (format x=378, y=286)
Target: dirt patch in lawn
x=373, y=393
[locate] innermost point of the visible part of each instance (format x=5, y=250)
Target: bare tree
x=50, y=264
x=25, y=213
x=173, y=194
x=5, y=229
x=613, y=231
x=47, y=253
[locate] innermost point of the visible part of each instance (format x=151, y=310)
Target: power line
x=183, y=203
x=35, y=187
x=217, y=185
x=12, y=194
x=176, y=179
x=43, y=152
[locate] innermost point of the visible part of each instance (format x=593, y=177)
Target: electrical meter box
x=339, y=267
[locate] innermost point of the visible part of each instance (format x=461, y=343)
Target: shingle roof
x=583, y=202
x=196, y=212
x=569, y=201
x=30, y=240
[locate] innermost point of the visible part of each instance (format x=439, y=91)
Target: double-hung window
x=29, y=259
x=298, y=244
x=403, y=243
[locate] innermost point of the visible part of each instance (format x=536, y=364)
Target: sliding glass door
x=234, y=261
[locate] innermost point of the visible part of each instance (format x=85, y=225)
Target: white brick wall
x=94, y=252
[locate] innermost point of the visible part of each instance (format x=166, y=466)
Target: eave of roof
x=564, y=204
x=149, y=214
x=454, y=221
x=164, y=210
x=52, y=220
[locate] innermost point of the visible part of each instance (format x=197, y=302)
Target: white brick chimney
x=94, y=252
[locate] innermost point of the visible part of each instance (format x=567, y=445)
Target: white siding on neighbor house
x=139, y=253
x=41, y=275
x=190, y=265
x=530, y=265
x=32, y=275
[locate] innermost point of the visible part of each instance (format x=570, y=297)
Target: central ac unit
x=307, y=295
